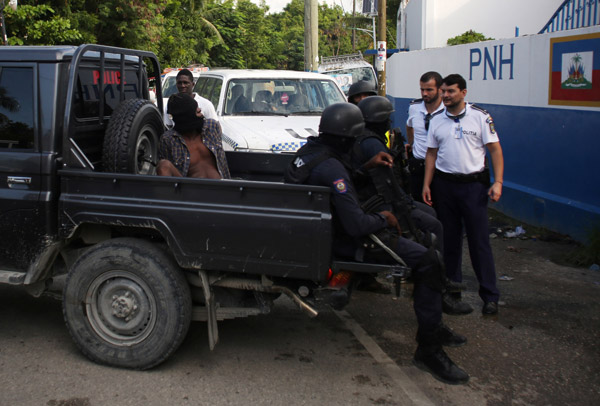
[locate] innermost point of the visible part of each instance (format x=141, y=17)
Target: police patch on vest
x=491, y=124
x=340, y=185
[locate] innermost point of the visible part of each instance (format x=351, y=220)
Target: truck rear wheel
x=131, y=138
x=127, y=304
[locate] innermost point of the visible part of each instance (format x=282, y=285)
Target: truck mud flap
x=211, y=313
x=211, y=310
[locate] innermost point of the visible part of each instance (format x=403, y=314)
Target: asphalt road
x=542, y=349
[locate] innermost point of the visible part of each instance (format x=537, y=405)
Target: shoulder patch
x=340, y=185
x=416, y=101
x=490, y=123
x=298, y=162
x=476, y=107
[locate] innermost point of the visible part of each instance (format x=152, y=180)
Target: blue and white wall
x=550, y=133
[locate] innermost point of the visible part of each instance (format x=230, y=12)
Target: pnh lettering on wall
x=494, y=59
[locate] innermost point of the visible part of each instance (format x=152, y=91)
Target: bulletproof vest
x=300, y=168
x=400, y=167
x=357, y=154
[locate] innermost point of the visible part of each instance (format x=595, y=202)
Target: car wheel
x=126, y=303
x=131, y=138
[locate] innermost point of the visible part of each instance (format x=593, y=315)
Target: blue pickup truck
x=139, y=255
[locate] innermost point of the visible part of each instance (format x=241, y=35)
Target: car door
x=21, y=223
x=210, y=88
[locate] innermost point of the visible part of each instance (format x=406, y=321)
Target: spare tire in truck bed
x=131, y=138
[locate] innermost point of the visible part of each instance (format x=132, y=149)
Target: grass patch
x=588, y=254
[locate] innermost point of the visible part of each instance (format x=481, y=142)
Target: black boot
x=451, y=305
x=449, y=338
x=434, y=360
x=454, y=287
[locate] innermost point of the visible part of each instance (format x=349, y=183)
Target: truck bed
x=239, y=225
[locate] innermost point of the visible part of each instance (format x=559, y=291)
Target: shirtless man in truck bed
x=193, y=148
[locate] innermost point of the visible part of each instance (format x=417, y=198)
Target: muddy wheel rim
x=121, y=308
x=144, y=153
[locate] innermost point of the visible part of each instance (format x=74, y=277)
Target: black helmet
x=362, y=86
x=343, y=120
x=376, y=109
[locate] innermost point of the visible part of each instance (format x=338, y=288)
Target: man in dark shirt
x=324, y=161
x=193, y=148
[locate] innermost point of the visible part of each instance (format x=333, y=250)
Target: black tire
x=127, y=304
x=131, y=138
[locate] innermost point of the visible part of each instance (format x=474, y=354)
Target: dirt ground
x=541, y=349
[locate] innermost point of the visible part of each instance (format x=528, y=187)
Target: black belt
x=416, y=165
x=483, y=176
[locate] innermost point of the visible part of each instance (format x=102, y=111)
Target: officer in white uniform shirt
x=185, y=84
x=420, y=113
x=457, y=184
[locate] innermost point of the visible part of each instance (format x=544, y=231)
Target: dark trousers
x=425, y=219
x=456, y=203
x=417, y=173
x=427, y=301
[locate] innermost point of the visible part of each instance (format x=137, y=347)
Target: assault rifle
x=390, y=193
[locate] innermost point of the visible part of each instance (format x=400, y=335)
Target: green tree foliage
x=467, y=37
x=216, y=33
x=248, y=36
x=129, y=23
x=38, y=25
x=336, y=35
x=188, y=32
x=290, y=22
x=391, y=21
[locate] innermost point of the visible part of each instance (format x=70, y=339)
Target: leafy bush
x=467, y=38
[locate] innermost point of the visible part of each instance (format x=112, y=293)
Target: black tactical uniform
x=376, y=111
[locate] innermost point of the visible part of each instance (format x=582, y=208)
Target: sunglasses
x=427, y=120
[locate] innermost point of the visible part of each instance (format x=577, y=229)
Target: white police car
x=268, y=110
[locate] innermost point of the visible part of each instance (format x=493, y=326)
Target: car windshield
x=280, y=96
x=169, y=87
x=345, y=77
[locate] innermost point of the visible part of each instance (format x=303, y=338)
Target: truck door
x=21, y=224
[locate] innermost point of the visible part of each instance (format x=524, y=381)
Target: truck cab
x=41, y=97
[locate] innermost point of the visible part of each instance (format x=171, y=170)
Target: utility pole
x=12, y=4
x=353, y=25
x=311, y=35
x=381, y=37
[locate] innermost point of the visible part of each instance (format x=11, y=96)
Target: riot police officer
x=324, y=161
x=359, y=90
x=376, y=112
